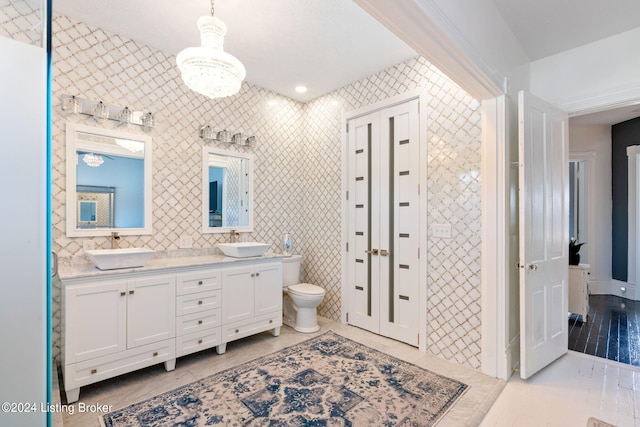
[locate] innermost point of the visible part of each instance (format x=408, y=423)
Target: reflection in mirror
x=108, y=182
x=227, y=191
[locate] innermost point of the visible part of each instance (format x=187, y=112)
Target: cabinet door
x=95, y=320
x=151, y=310
x=237, y=294
x=268, y=288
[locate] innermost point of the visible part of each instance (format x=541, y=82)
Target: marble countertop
x=157, y=263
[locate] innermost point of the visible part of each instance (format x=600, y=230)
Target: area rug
x=328, y=380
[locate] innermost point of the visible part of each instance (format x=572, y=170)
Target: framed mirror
x=227, y=191
x=108, y=182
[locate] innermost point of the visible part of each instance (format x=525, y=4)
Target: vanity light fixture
x=208, y=134
x=101, y=111
x=208, y=69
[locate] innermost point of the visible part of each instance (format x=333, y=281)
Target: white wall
x=23, y=280
x=600, y=73
x=596, y=141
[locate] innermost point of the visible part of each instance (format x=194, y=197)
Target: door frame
x=422, y=95
x=425, y=27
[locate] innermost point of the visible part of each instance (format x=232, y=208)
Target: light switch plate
x=186, y=242
x=442, y=231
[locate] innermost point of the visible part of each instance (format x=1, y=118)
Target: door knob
x=371, y=251
x=384, y=252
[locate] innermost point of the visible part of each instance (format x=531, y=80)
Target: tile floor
x=568, y=392
x=146, y=383
x=565, y=393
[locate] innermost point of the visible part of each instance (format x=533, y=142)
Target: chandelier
x=208, y=69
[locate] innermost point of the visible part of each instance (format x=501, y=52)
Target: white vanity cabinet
x=118, y=322
x=116, y=325
x=198, y=311
x=252, y=301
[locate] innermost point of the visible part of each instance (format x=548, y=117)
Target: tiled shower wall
x=297, y=170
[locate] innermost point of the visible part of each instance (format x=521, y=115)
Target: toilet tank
x=291, y=270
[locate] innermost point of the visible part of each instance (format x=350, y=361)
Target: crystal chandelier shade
x=93, y=160
x=208, y=69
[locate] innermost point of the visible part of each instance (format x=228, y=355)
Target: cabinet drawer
x=101, y=368
x=195, y=303
x=199, y=341
x=245, y=328
x=195, y=322
x=202, y=281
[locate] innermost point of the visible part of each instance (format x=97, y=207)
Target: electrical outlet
x=186, y=242
x=442, y=231
x=88, y=245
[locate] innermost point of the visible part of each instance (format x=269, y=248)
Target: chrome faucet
x=115, y=240
x=233, y=236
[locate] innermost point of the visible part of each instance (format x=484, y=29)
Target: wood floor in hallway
x=612, y=329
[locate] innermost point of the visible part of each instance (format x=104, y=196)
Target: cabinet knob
x=199, y=322
x=199, y=282
x=237, y=330
x=199, y=341
x=200, y=302
x=94, y=371
x=271, y=321
x=257, y=274
x=123, y=293
x=131, y=292
x=155, y=353
x=253, y=275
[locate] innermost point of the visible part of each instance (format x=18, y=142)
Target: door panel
x=383, y=271
x=544, y=233
x=362, y=296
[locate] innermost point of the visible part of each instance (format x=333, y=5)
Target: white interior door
x=544, y=233
x=383, y=267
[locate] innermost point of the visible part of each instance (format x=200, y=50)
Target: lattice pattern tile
x=297, y=168
x=21, y=21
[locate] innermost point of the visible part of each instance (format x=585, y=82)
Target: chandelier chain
x=212, y=8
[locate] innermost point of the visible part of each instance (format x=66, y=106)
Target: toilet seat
x=305, y=289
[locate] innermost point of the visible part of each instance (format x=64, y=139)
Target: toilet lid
x=306, y=289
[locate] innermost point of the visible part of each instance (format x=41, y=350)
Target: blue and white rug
x=328, y=380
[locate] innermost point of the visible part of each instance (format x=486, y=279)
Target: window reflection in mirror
x=108, y=182
x=227, y=190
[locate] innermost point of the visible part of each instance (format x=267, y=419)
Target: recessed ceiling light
x=301, y=89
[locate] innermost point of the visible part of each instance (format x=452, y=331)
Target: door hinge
x=418, y=253
x=347, y=126
x=347, y=195
x=418, y=189
x=347, y=317
x=418, y=339
x=347, y=246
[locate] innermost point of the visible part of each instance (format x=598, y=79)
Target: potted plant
x=574, y=251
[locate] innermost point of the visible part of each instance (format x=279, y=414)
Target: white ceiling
x=327, y=44
x=321, y=44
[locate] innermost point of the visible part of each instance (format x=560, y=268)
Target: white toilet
x=300, y=300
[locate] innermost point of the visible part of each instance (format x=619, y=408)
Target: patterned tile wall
x=297, y=169
x=20, y=21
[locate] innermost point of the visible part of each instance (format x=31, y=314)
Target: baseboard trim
x=613, y=287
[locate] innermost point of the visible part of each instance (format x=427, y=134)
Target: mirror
x=227, y=189
x=108, y=182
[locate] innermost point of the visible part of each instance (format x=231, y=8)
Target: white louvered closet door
x=383, y=256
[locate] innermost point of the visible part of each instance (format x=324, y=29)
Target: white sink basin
x=110, y=259
x=243, y=249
